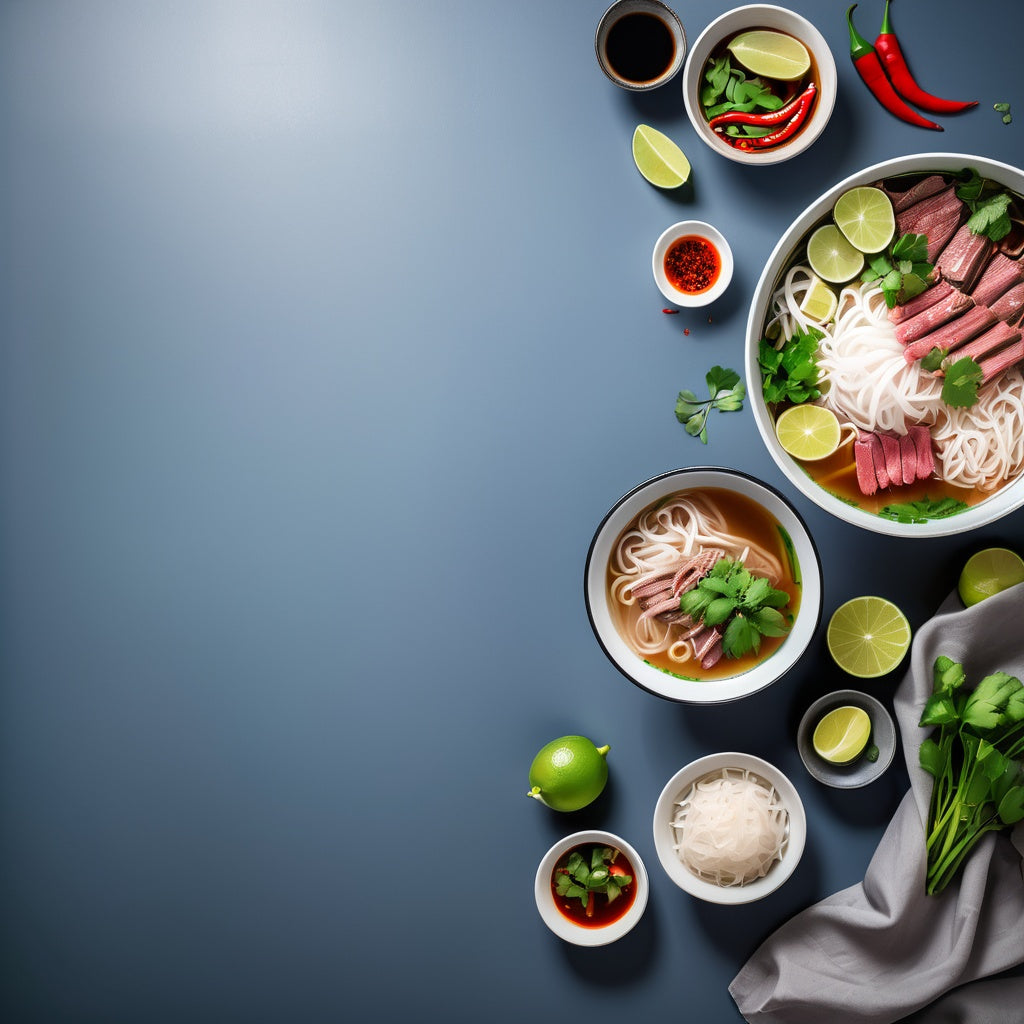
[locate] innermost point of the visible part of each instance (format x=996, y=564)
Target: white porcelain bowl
x=808, y=568
x=702, y=230
x=1005, y=500
x=558, y=922
x=665, y=835
x=765, y=16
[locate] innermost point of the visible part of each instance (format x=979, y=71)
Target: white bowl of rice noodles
x=922, y=358
x=729, y=828
x=703, y=585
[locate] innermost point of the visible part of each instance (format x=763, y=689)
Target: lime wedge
x=841, y=735
x=832, y=257
x=988, y=572
x=808, y=432
x=865, y=217
x=819, y=302
x=868, y=636
x=658, y=158
x=772, y=54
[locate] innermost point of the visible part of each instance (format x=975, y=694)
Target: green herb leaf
x=963, y=378
x=931, y=758
x=1001, y=107
x=911, y=247
x=970, y=189
x=933, y=360
x=741, y=637
x=991, y=217
x=923, y=510
x=726, y=392
x=790, y=374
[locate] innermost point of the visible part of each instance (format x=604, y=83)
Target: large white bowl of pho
x=729, y=828
x=703, y=585
x=894, y=304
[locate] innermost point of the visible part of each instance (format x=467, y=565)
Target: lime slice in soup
x=808, y=432
x=658, y=158
x=865, y=217
x=989, y=572
x=868, y=636
x=772, y=54
x=831, y=255
x=819, y=302
x=841, y=736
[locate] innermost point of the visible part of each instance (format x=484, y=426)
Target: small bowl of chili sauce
x=692, y=263
x=600, y=919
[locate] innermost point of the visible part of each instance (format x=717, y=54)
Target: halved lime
x=865, y=216
x=841, y=735
x=568, y=773
x=658, y=158
x=808, y=432
x=819, y=302
x=988, y=572
x=772, y=54
x=868, y=636
x=831, y=255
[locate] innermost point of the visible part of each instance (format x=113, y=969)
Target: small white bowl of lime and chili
x=747, y=129
x=692, y=263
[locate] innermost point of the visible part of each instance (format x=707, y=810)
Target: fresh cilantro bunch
x=748, y=603
x=962, y=377
x=975, y=757
x=727, y=392
x=727, y=88
x=580, y=878
x=990, y=211
x=902, y=271
x=923, y=510
x=790, y=373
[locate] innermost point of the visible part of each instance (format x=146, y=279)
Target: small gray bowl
x=862, y=771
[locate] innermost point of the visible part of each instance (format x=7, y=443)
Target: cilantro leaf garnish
x=923, y=510
x=790, y=373
x=581, y=877
x=727, y=392
x=963, y=378
x=989, y=213
x=903, y=271
x=933, y=360
x=747, y=604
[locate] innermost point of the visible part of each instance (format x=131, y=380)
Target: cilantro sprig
x=790, y=373
x=902, y=271
x=923, y=510
x=749, y=604
x=990, y=211
x=963, y=377
x=727, y=392
x=582, y=877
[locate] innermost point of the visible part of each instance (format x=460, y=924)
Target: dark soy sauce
x=640, y=47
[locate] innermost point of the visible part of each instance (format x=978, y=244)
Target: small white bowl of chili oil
x=573, y=893
x=692, y=263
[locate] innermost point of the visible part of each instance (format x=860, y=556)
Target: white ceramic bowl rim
x=1006, y=499
x=718, y=691
x=664, y=837
x=762, y=16
x=561, y=925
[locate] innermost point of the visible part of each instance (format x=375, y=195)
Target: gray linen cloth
x=883, y=949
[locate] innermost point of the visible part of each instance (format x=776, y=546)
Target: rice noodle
x=869, y=384
x=684, y=524
x=731, y=827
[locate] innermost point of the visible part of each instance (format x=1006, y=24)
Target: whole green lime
x=568, y=773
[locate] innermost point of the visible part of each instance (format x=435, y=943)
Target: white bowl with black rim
x=800, y=552
x=1009, y=496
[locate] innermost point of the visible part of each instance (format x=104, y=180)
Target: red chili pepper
x=869, y=67
x=788, y=130
x=895, y=64
x=762, y=120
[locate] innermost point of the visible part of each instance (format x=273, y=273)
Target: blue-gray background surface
x=328, y=337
